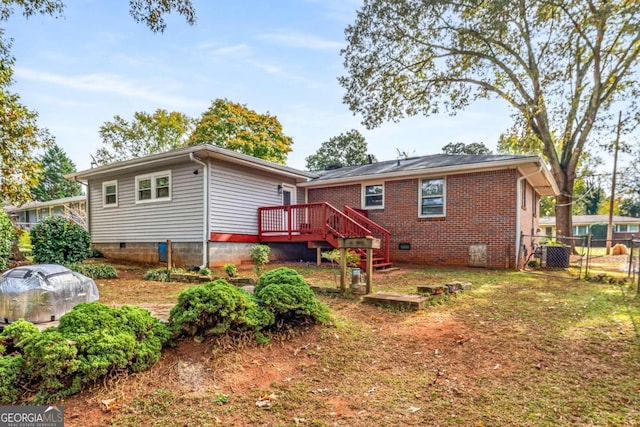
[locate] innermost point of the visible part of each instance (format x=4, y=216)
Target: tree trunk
x=563, y=215
x=16, y=255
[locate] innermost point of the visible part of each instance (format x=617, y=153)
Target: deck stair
x=318, y=223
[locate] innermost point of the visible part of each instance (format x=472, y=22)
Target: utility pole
x=613, y=185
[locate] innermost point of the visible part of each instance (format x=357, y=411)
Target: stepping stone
x=432, y=289
x=407, y=301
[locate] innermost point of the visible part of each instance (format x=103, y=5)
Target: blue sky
x=280, y=56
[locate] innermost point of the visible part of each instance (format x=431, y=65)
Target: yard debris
x=413, y=409
x=108, y=404
x=460, y=339
x=266, y=401
x=299, y=420
x=371, y=390
x=539, y=365
x=320, y=390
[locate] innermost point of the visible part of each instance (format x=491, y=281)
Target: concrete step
x=388, y=299
x=387, y=270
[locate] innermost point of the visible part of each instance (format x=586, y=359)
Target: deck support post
x=318, y=256
x=343, y=270
x=369, y=270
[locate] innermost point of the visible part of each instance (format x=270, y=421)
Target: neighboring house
x=624, y=227
x=213, y=204
x=29, y=214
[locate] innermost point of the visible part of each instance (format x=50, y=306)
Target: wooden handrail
x=309, y=218
x=382, y=233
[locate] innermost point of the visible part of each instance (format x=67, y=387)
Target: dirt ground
x=516, y=350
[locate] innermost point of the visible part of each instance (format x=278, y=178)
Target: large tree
x=236, y=127
x=346, y=149
x=145, y=134
x=462, y=148
x=20, y=137
x=53, y=184
x=560, y=64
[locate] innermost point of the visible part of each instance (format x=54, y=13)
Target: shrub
x=260, y=256
x=205, y=272
x=281, y=275
x=95, y=271
x=353, y=259
x=113, y=338
x=230, y=269
x=285, y=293
x=7, y=236
x=599, y=231
x=216, y=308
x=58, y=240
x=158, y=275
x=11, y=368
x=92, y=341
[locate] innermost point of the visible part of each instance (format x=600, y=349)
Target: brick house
x=444, y=209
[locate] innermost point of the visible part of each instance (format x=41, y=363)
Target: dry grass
x=517, y=349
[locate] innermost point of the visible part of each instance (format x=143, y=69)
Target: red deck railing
x=307, y=222
x=377, y=231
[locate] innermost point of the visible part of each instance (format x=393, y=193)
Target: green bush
x=353, y=259
x=112, y=339
x=204, y=272
x=157, y=275
x=7, y=236
x=599, y=231
x=260, y=256
x=58, y=240
x=285, y=293
x=230, y=269
x=281, y=275
x=95, y=271
x=92, y=340
x=11, y=372
x=216, y=308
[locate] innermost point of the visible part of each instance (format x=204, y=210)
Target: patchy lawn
x=517, y=349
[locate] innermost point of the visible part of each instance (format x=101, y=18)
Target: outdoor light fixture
x=279, y=188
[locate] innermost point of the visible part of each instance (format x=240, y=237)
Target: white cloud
x=110, y=84
x=299, y=40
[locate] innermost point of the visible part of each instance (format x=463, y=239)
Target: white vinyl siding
x=432, y=197
x=180, y=219
x=110, y=194
x=237, y=193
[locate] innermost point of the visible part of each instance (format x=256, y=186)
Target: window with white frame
x=153, y=187
x=373, y=196
x=626, y=228
x=580, y=230
x=110, y=193
x=432, y=197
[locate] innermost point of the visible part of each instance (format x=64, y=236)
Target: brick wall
x=480, y=209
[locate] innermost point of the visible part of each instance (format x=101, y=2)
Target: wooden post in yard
x=169, y=256
x=343, y=269
x=369, y=270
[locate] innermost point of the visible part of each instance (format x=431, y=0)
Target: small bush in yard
x=93, y=340
x=157, y=275
x=7, y=236
x=216, y=308
x=286, y=294
x=260, y=256
x=58, y=240
x=281, y=275
x=95, y=271
x=230, y=269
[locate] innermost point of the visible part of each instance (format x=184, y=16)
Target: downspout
x=205, y=209
x=518, y=198
x=86, y=203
